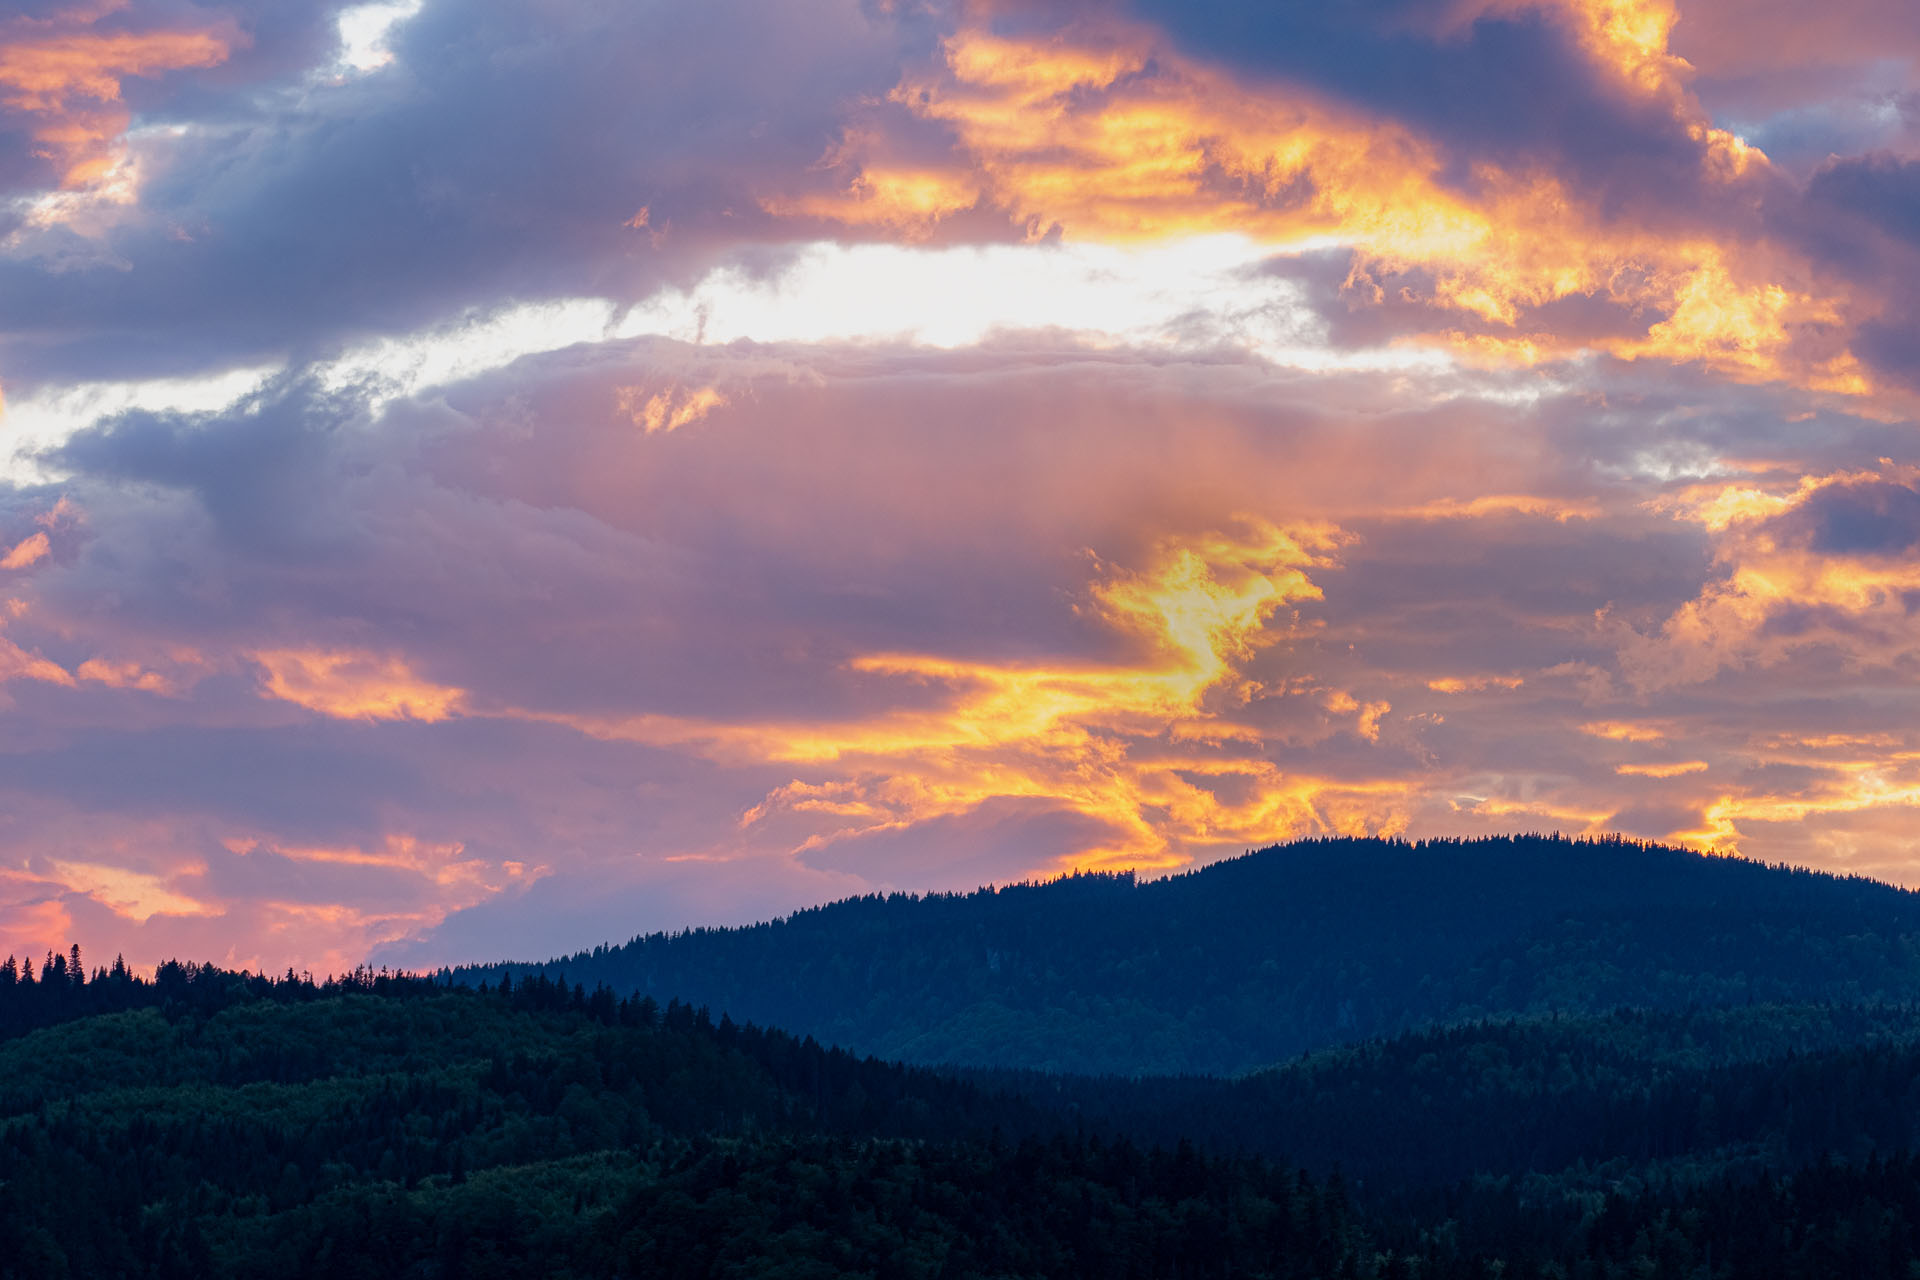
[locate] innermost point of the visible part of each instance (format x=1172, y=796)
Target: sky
x=480, y=478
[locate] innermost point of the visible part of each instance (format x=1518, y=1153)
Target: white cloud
x=1207, y=292
x=364, y=30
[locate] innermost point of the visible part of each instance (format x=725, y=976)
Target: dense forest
x=1250, y=961
x=1592, y=1103
x=224, y=1125
x=206, y=1123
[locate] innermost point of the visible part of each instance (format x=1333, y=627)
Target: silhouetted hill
x=1253, y=960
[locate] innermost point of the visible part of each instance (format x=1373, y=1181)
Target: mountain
x=1253, y=960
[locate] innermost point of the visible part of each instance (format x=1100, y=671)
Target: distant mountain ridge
x=1257, y=959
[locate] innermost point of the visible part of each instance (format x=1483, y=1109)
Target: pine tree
x=76, y=972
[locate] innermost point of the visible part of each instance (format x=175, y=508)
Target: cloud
x=27, y=552
x=1002, y=838
x=671, y=409
x=353, y=685
x=512, y=479
x=1815, y=569
x=1853, y=517
x=18, y=664
x=451, y=178
x=61, y=79
x=1100, y=131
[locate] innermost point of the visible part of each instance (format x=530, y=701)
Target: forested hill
x=220, y=1125
x=208, y=1124
x=1253, y=960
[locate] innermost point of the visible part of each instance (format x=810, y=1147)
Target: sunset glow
x=487, y=478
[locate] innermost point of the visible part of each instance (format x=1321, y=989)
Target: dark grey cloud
x=1881, y=190
x=1870, y=518
x=500, y=157
x=317, y=782
x=1512, y=87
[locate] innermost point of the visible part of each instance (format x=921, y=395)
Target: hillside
x=226, y=1126
x=1254, y=960
x=1587, y=1103
x=220, y=1125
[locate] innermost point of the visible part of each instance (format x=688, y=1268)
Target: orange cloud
x=125, y=675
x=1855, y=603
x=1367, y=715
x=66, y=77
x=1499, y=504
x=136, y=895
x=1474, y=684
x=17, y=664
x=353, y=685
x=34, y=926
x=28, y=552
x=445, y=863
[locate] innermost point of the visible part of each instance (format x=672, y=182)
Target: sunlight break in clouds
x=1107, y=137
x=364, y=30
x=1113, y=743
x=1196, y=293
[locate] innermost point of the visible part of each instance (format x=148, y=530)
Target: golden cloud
x=1105, y=134
x=1145, y=747
x=1474, y=684
x=1621, y=731
x=136, y=895
x=1886, y=786
x=1856, y=603
x=671, y=409
x=1675, y=769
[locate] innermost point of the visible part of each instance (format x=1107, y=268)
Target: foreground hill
x=1252, y=961
x=214, y=1125
x=220, y=1126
